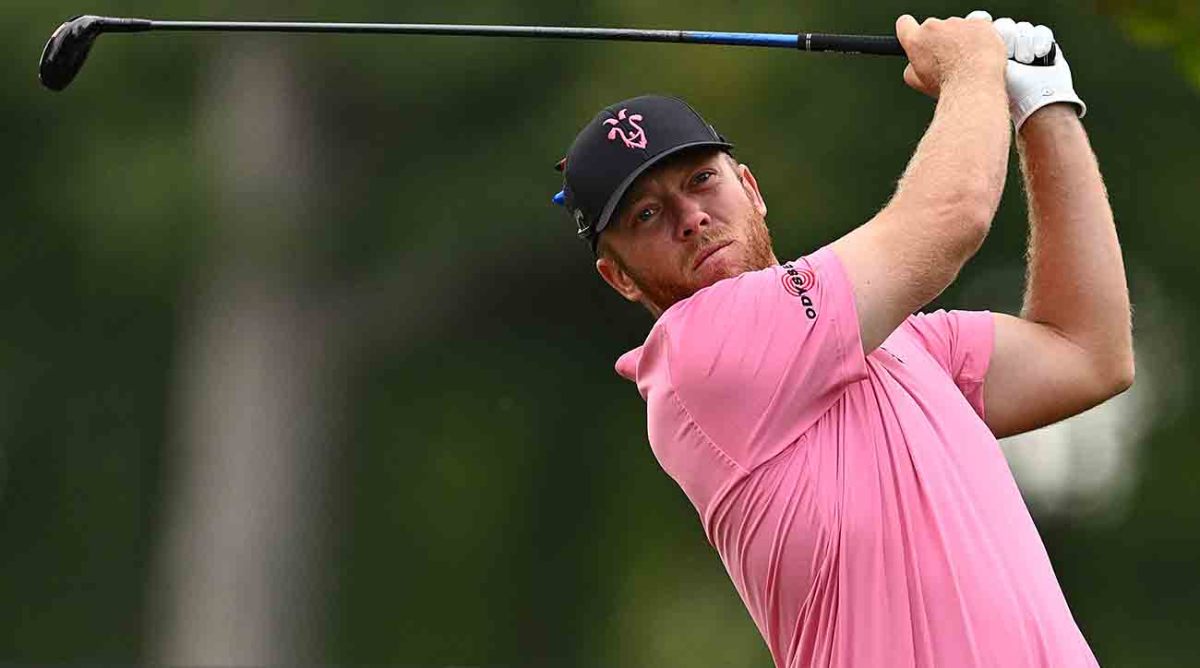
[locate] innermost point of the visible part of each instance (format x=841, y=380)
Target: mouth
x=709, y=252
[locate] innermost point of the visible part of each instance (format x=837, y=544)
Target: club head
x=66, y=50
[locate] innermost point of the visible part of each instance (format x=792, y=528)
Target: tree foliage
x=1168, y=24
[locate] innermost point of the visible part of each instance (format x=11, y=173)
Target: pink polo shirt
x=860, y=504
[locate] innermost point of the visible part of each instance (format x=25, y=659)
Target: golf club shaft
x=873, y=44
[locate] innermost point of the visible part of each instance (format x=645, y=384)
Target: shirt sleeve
x=755, y=360
x=961, y=342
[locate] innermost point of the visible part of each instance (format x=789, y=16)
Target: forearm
x=949, y=192
x=1076, y=277
x=957, y=173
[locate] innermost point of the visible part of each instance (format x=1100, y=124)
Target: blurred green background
x=301, y=365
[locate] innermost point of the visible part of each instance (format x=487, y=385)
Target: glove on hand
x=1032, y=87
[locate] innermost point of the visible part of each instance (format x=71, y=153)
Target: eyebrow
x=631, y=196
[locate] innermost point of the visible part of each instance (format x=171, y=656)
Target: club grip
x=880, y=45
x=873, y=44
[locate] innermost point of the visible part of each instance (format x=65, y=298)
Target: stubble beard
x=661, y=293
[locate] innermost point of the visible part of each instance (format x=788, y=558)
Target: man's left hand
x=1032, y=87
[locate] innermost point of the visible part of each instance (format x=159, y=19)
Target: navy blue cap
x=619, y=145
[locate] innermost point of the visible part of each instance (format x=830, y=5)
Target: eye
x=644, y=214
x=703, y=177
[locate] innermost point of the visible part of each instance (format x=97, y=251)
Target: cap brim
x=619, y=192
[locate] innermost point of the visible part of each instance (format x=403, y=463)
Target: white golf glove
x=1031, y=87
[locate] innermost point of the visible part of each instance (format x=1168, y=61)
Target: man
x=840, y=451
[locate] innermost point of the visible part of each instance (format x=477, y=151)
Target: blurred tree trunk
x=240, y=572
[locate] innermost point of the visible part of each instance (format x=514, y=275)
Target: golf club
x=68, y=47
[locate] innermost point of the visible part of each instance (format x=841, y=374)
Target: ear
x=750, y=185
x=620, y=280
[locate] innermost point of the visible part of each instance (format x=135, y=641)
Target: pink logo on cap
x=636, y=139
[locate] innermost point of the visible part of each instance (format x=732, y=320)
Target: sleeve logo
x=797, y=283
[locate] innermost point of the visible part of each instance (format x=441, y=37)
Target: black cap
x=618, y=145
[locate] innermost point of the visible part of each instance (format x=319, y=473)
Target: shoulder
x=754, y=360
x=960, y=341
x=951, y=330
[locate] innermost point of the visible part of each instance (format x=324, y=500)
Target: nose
x=691, y=218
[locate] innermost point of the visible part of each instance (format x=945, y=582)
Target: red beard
x=751, y=254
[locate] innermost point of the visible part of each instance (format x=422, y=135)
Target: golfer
x=840, y=451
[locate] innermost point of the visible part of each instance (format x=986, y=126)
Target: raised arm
x=1071, y=348
x=913, y=249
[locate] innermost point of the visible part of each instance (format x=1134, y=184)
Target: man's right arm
x=913, y=249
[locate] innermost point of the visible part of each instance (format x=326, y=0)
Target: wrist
x=1057, y=112
x=974, y=78
x=1050, y=119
